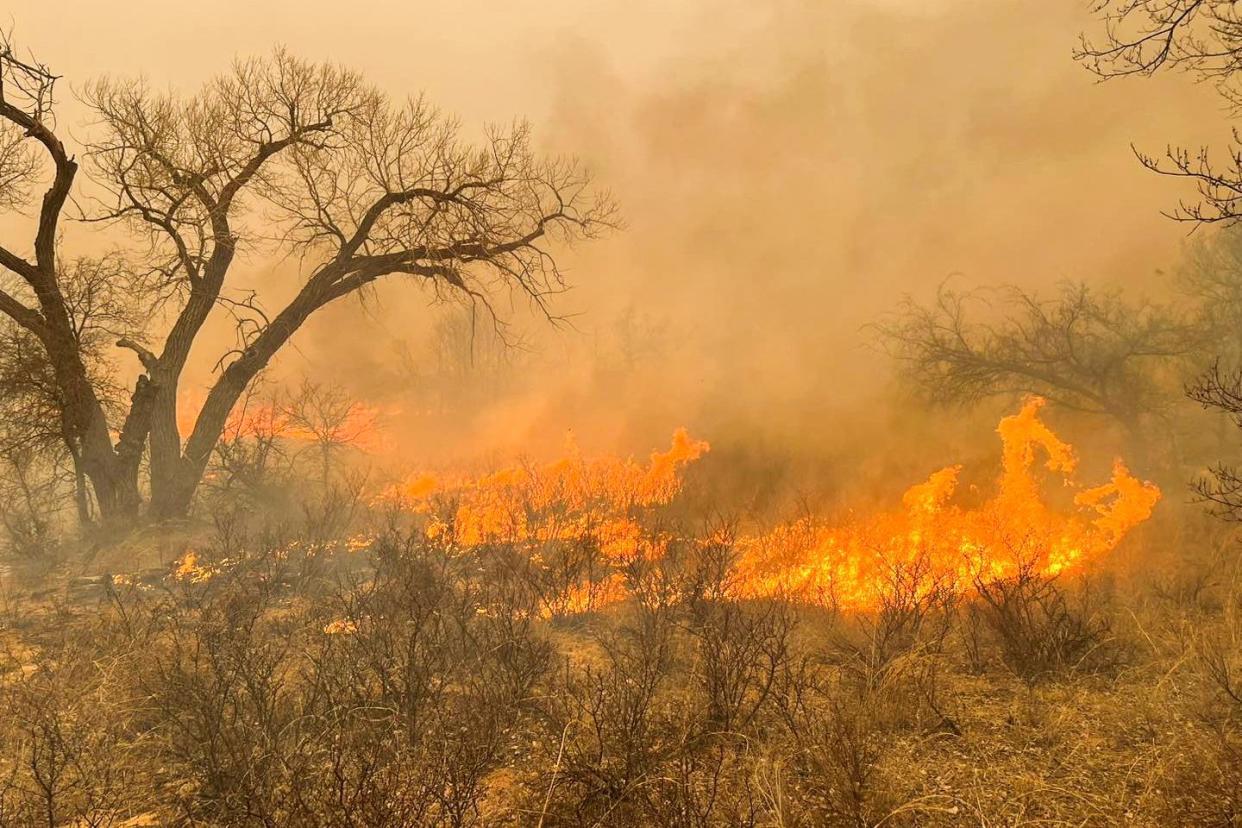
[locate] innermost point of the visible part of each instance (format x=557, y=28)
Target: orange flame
x=850, y=565
x=847, y=565
x=569, y=498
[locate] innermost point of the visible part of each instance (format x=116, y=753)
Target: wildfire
x=850, y=565
x=941, y=544
x=573, y=497
x=336, y=422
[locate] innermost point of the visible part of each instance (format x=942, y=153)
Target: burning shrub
x=914, y=615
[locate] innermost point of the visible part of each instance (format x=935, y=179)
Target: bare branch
x=1087, y=350
x=1203, y=38
x=148, y=359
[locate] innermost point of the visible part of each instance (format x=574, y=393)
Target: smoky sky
x=786, y=171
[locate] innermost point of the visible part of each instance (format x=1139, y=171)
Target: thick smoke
x=786, y=172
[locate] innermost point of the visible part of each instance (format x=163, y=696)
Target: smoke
x=786, y=172
x=786, y=186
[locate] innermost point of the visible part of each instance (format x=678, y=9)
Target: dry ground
x=278, y=681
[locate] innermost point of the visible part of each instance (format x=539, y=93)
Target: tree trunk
x=115, y=485
x=174, y=484
x=169, y=495
x=174, y=481
x=116, y=491
x=81, y=497
x=172, y=492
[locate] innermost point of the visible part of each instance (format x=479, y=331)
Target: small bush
x=1039, y=630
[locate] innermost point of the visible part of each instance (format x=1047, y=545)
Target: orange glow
x=848, y=565
x=947, y=545
x=357, y=425
x=573, y=497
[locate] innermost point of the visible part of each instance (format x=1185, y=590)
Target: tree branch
x=148, y=359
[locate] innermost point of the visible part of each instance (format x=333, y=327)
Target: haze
x=786, y=172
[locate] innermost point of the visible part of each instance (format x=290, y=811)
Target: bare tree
x=1210, y=279
x=1221, y=487
x=250, y=457
x=33, y=452
x=281, y=156
x=31, y=403
x=30, y=485
x=1203, y=38
x=328, y=419
x=1087, y=350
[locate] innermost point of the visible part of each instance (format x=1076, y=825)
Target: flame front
x=848, y=565
x=574, y=497
x=945, y=545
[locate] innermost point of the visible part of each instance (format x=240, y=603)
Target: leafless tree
x=280, y=156
x=328, y=419
x=31, y=403
x=30, y=482
x=30, y=418
x=1203, y=38
x=250, y=459
x=1087, y=350
x=469, y=362
x=1220, y=390
x=1209, y=277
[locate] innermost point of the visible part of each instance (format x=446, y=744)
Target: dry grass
x=417, y=684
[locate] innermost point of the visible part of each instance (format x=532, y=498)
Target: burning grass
x=846, y=565
x=542, y=646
